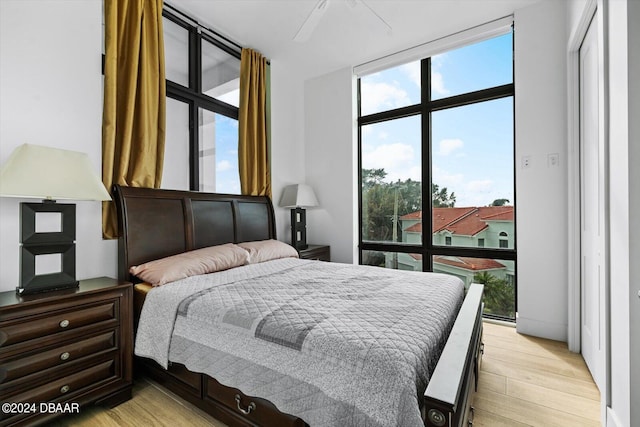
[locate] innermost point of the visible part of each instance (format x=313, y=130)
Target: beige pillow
x=192, y=263
x=266, y=250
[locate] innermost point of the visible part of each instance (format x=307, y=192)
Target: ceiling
x=345, y=36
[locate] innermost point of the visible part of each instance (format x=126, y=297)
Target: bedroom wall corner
x=541, y=189
x=51, y=85
x=330, y=157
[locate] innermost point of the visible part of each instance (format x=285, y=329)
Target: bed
x=155, y=224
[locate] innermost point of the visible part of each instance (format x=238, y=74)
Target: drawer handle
x=64, y=356
x=64, y=389
x=64, y=323
x=251, y=407
x=436, y=417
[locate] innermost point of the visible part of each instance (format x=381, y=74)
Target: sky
x=227, y=177
x=226, y=137
x=472, y=152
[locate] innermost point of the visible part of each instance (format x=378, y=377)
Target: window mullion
x=427, y=223
x=360, y=184
x=194, y=143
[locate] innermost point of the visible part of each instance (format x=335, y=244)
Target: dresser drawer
x=250, y=409
x=24, y=365
x=67, y=387
x=55, y=322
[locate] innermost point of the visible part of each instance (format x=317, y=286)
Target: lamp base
x=42, y=289
x=57, y=243
x=299, y=228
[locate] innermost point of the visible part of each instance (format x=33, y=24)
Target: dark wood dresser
x=71, y=347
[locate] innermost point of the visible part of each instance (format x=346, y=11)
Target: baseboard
x=537, y=328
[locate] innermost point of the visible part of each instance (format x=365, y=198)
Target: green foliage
x=499, y=296
x=499, y=202
x=383, y=201
x=441, y=198
x=371, y=177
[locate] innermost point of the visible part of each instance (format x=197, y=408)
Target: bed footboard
x=448, y=398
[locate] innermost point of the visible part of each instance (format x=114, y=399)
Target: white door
x=592, y=209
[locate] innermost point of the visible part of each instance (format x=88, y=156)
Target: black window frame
x=193, y=95
x=427, y=249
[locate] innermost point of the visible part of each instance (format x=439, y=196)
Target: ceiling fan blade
x=311, y=22
x=373, y=17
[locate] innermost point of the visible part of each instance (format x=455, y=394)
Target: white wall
x=51, y=86
x=624, y=204
x=541, y=190
x=287, y=138
x=617, y=45
x=330, y=162
x=633, y=36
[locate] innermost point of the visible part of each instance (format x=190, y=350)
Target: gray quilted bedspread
x=334, y=344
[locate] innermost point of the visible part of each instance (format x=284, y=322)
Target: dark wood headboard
x=158, y=223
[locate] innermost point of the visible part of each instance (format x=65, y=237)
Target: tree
x=441, y=198
x=385, y=202
x=371, y=177
x=499, y=295
x=499, y=202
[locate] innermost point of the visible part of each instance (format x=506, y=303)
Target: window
x=503, y=239
x=436, y=157
x=203, y=75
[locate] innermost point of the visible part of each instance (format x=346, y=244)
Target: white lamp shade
x=34, y=171
x=298, y=195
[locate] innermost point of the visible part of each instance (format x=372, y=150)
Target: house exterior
x=486, y=226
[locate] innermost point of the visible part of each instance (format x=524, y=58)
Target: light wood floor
x=524, y=381
x=527, y=381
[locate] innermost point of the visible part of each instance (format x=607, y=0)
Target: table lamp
x=297, y=197
x=50, y=174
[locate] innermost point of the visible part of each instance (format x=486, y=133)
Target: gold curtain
x=253, y=154
x=133, y=122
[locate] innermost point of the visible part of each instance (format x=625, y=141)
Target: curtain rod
x=203, y=27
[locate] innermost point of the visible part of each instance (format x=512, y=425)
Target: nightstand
x=317, y=252
x=72, y=346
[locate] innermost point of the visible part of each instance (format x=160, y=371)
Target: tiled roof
x=445, y=218
x=501, y=214
x=473, y=264
x=463, y=221
x=412, y=215
x=415, y=228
